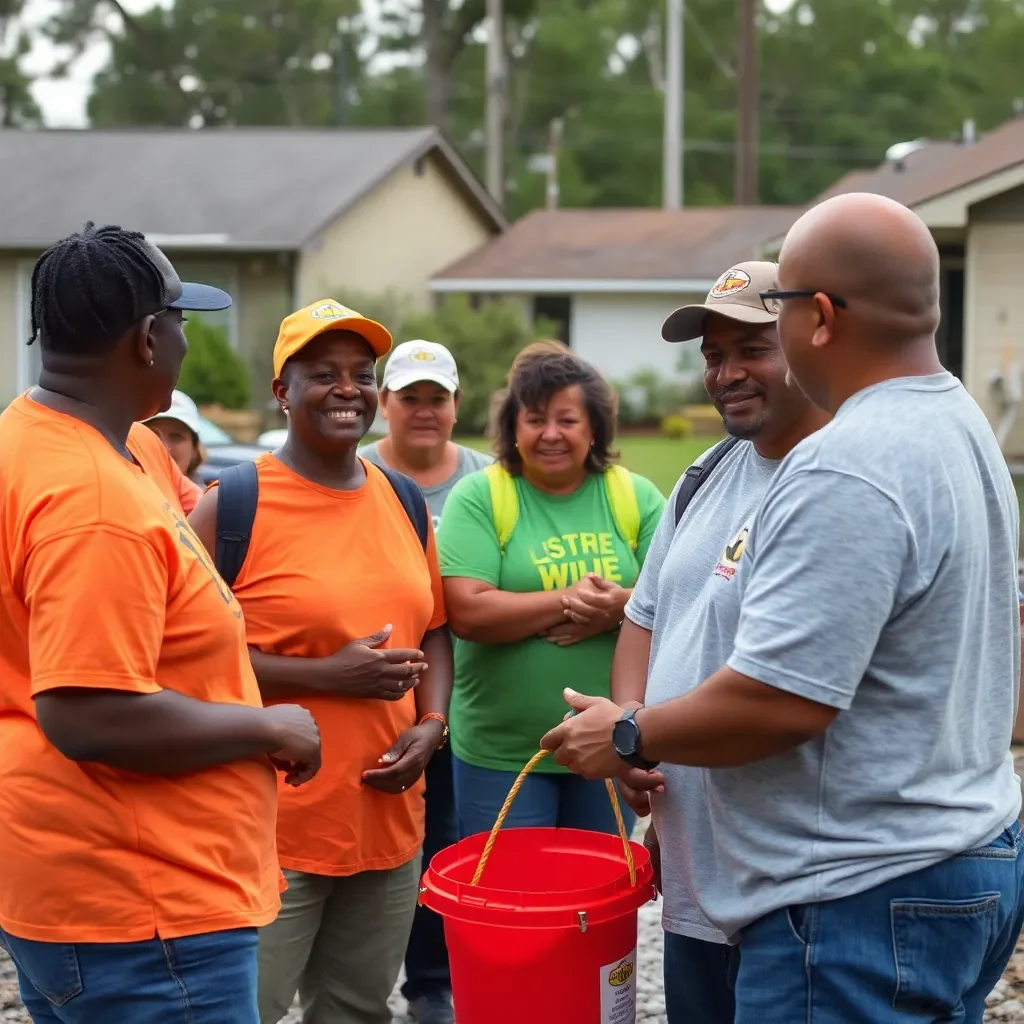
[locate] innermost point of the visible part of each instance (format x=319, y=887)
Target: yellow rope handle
x=507, y=806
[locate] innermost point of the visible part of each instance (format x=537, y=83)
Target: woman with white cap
x=420, y=400
x=178, y=428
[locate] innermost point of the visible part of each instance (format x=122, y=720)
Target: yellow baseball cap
x=299, y=329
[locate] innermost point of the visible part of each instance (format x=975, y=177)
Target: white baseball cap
x=414, y=361
x=182, y=409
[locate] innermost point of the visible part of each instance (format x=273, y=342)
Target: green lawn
x=660, y=459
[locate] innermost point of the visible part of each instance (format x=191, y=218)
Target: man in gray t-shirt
x=685, y=605
x=862, y=796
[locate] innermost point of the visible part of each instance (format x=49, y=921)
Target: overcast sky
x=63, y=100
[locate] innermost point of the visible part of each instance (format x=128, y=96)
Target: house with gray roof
x=970, y=193
x=278, y=217
x=609, y=278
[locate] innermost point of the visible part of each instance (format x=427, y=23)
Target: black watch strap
x=626, y=740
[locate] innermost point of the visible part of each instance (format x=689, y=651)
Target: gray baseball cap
x=736, y=295
x=414, y=361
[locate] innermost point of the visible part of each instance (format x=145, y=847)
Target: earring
x=150, y=360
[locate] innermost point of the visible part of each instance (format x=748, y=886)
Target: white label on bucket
x=618, y=991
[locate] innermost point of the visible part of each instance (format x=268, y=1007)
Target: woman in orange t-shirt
x=344, y=614
x=136, y=784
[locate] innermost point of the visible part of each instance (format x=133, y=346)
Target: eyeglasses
x=802, y=293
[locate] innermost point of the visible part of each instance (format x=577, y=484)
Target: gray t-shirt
x=879, y=578
x=470, y=461
x=687, y=596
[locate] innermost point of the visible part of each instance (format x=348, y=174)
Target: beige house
x=971, y=195
x=278, y=217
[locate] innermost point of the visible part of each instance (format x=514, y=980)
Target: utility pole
x=495, y=126
x=554, y=141
x=672, y=174
x=746, y=167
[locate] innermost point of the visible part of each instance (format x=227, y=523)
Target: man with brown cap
x=681, y=619
x=863, y=799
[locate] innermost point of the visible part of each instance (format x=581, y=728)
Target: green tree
x=213, y=373
x=840, y=80
x=18, y=109
x=236, y=62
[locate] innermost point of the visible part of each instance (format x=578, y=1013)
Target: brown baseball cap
x=736, y=296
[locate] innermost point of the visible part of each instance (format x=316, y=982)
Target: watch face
x=624, y=737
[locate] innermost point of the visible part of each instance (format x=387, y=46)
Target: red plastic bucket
x=549, y=935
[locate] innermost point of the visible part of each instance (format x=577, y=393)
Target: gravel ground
x=1005, y=1004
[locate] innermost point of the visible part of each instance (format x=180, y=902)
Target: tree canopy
x=840, y=80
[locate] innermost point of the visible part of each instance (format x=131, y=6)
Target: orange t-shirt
x=150, y=452
x=326, y=567
x=103, y=584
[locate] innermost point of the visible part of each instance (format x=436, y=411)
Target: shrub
x=646, y=398
x=213, y=373
x=676, y=426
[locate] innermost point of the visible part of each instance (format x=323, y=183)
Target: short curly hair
x=538, y=372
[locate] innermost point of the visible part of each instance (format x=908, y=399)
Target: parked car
x=222, y=450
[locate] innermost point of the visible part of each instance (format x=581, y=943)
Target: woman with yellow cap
x=334, y=565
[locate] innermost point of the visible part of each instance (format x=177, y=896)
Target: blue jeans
x=699, y=979
x=929, y=946
x=201, y=979
x=426, y=957
x=547, y=799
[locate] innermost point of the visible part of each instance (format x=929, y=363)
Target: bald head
x=874, y=253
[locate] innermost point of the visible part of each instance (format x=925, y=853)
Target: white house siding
x=621, y=334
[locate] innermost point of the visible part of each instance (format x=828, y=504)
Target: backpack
x=618, y=484
x=696, y=475
x=238, y=496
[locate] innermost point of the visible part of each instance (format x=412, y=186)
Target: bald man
x=862, y=797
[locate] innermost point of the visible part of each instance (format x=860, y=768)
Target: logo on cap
x=331, y=311
x=421, y=355
x=729, y=283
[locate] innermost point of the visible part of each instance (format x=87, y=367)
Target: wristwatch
x=437, y=718
x=626, y=741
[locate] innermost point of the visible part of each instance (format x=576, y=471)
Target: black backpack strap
x=697, y=474
x=411, y=497
x=237, y=496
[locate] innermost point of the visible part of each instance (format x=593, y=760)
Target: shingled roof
x=235, y=188
x=643, y=248
x=939, y=167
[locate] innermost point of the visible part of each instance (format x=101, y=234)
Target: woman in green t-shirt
x=539, y=554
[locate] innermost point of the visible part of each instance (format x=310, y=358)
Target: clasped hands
x=583, y=744
x=592, y=606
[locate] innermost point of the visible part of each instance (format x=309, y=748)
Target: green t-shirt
x=507, y=696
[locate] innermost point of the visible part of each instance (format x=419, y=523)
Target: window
x=950, y=336
x=557, y=308
x=29, y=363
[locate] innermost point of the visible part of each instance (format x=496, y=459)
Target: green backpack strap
x=621, y=491
x=504, y=502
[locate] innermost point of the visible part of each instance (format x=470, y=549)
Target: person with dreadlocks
x=137, y=789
